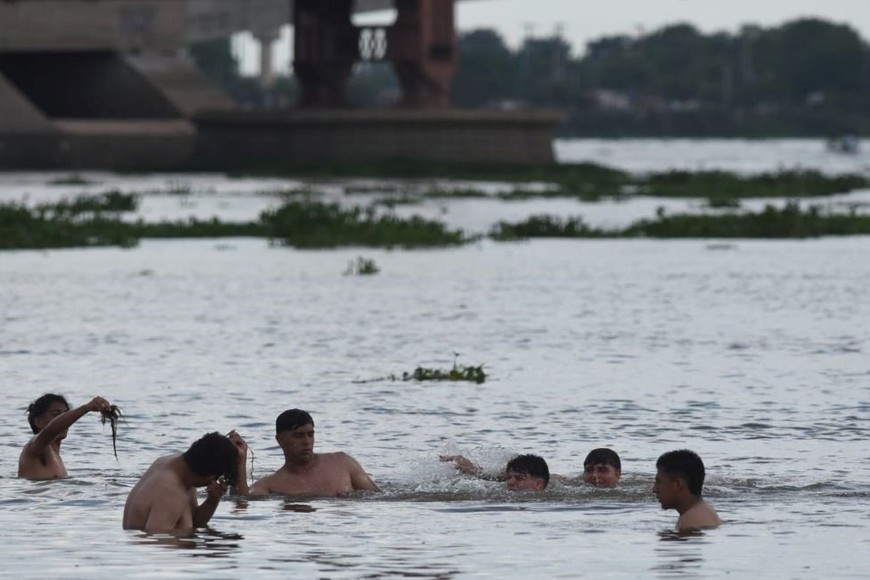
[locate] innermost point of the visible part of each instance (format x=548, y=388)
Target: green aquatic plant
x=362, y=267
x=789, y=221
x=308, y=224
x=112, y=201
x=592, y=182
x=178, y=187
x=72, y=179
x=723, y=203
x=544, y=226
x=721, y=184
x=368, y=189
x=473, y=374
x=392, y=201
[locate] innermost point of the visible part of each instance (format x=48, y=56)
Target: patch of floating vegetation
x=88, y=221
x=720, y=184
x=457, y=373
x=790, y=221
x=589, y=181
x=391, y=201
x=472, y=374
x=545, y=226
x=723, y=203
x=328, y=225
x=113, y=201
x=457, y=193
x=362, y=267
x=369, y=189
x=95, y=221
x=178, y=187
x=72, y=179
x=297, y=192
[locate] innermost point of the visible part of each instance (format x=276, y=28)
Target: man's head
x=213, y=456
x=602, y=468
x=41, y=411
x=680, y=474
x=527, y=473
x=294, y=432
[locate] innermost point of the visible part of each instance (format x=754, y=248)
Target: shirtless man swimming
x=164, y=499
x=678, y=486
x=305, y=472
x=50, y=418
x=601, y=468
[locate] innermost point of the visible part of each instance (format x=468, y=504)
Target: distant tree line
x=806, y=77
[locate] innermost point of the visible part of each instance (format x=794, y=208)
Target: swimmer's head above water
x=602, y=468
x=527, y=473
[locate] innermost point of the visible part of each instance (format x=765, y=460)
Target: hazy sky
x=584, y=20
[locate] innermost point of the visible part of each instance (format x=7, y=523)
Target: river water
x=752, y=353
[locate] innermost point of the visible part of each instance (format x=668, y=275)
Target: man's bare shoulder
x=701, y=516
x=338, y=458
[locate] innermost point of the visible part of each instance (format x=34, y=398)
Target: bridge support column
x=267, y=64
x=326, y=46
x=423, y=48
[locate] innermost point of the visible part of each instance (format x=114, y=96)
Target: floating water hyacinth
x=112, y=415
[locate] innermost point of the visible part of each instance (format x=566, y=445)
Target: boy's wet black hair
x=213, y=454
x=292, y=419
x=686, y=464
x=605, y=456
x=532, y=465
x=41, y=405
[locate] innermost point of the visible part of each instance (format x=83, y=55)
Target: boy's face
x=516, y=481
x=54, y=409
x=298, y=443
x=667, y=489
x=601, y=475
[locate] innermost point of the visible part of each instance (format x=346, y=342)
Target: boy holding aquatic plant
x=678, y=485
x=164, y=498
x=50, y=418
x=304, y=472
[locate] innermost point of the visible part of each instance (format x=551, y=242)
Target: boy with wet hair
x=679, y=484
x=164, y=499
x=527, y=473
x=50, y=418
x=602, y=468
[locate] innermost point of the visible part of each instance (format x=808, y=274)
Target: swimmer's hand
x=241, y=445
x=98, y=405
x=462, y=463
x=216, y=489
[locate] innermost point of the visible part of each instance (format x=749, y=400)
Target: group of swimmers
x=164, y=499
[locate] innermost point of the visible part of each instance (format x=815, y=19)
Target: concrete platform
x=234, y=139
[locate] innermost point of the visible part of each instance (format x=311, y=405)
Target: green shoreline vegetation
x=302, y=221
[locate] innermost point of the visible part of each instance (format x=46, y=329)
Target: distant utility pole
x=558, y=56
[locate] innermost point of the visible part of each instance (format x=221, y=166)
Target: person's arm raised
x=61, y=423
x=240, y=487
